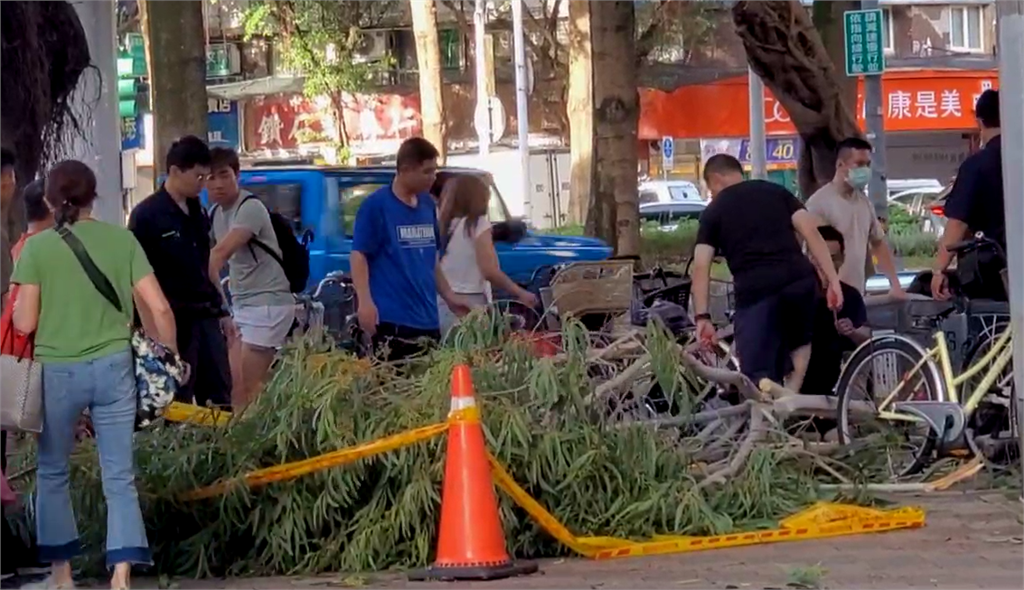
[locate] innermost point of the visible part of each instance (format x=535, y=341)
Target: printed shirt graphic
x=400, y=245
x=416, y=236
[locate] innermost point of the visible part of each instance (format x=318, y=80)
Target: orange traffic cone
x=471, y=543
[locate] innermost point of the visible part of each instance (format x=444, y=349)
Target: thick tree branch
x=647, y=40
x=458, y=9
x=785, y=50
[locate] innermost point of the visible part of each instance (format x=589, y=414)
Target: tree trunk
x=786, y=51
x=428, y=60
x=45, y=52
x=604, y=111
x=828, y=20
x=176, y=60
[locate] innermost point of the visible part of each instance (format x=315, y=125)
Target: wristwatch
x=702, y=316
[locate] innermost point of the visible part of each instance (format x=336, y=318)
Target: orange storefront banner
x=918, y=100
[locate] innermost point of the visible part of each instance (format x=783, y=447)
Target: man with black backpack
x=266, y=264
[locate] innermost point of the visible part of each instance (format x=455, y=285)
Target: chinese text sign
x=865, y=50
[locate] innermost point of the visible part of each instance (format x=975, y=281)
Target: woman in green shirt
x=83, y=344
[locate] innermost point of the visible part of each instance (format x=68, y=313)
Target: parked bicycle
x=955, y=396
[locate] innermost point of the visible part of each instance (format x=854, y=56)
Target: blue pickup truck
x=322, y=202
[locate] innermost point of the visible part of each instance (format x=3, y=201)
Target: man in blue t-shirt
x=395, y=260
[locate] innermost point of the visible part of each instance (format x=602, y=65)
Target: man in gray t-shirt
x=262, y=304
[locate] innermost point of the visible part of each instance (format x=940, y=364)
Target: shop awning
x=914, y=100
x=258, y=87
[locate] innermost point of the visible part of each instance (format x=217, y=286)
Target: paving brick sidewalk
x=970, y=541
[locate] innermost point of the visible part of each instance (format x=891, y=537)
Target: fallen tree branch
x=698, y=418
x=723, y=444
x=630, y=374
x=738, y=380
x=755, y=434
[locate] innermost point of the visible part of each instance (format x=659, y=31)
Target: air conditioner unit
x=373, y=46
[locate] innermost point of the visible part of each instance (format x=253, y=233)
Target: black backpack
x=294, y=258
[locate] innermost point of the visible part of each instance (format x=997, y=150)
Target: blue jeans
x=106, y=386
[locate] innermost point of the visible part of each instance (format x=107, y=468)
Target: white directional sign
x=668, y=152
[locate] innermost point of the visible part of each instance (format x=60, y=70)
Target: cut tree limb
x=745, y=386
x=627, y=376
x=755, y=435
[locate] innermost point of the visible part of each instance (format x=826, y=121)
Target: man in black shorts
x=754, y=225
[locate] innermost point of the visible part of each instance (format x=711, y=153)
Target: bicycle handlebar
x=978, y=241
x=332, y=278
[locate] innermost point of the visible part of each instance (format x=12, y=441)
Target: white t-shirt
x=854, y=217
x=459, y=263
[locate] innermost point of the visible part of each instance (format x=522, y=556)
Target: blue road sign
x=668, y=147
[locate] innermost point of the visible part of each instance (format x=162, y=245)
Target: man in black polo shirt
x=976, y=205
x=174, y=231
x=754, y=225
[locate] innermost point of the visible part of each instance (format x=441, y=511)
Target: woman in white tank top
x=469, y=261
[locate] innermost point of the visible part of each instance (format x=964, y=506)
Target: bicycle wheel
x=871, y=374
x=991, y=431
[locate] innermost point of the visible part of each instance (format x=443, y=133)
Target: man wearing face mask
x=843, y=205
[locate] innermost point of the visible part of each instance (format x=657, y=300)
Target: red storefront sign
x=284, y=121
x=922, y=100
x=376, y=117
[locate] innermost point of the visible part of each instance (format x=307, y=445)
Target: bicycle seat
x=337, y=275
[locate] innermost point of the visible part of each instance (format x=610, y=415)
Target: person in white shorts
x=262, y=304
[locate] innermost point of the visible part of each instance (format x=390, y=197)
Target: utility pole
x=101, y=146
x=483, y=124
x=758, y=157
x=1011, y=114
x=875, y=122
x=522, y=106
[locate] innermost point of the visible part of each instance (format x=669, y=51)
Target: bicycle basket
x=917, y=318
x=593, y=287
x=678, y=294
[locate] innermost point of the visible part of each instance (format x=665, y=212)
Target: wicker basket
x=593, y=287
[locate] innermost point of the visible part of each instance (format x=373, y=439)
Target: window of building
x=965, y=28
x=285, y=199
x=888, y=31
x=450, y=43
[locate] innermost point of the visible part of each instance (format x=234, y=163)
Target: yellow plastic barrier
x=819, y=521
x=179, y=412
x=295, y=469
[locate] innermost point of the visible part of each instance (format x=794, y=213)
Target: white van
x=895, y=187
x=668, y=191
